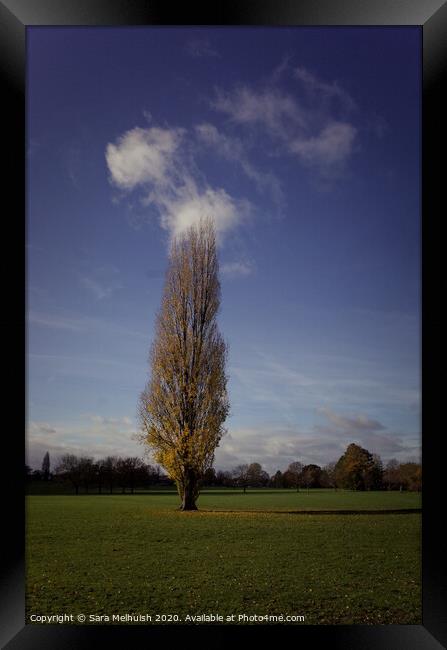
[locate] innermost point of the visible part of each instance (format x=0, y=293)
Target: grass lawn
x=123, y=554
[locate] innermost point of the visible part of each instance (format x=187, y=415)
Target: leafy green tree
x=277, y=480
x=311, y=476
x=256, y=476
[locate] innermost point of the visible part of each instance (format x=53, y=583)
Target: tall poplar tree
x=46, y=466
x=185, y=403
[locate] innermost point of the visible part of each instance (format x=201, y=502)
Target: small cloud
x=41, y=428
x=269, y=107
x=104, y=421
x=56, y=322
x=237, y=269
x=323, y=89
x=332, y=146
x=101, y=282
x=351, y=424
x=142, y=156
x=201, y=48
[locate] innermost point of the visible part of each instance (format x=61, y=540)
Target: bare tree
x=70, y=468
x=294, y=471
x=240, y=476
x=185, y=403
x=109, y=470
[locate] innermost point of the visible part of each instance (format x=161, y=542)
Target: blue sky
x=304, y=146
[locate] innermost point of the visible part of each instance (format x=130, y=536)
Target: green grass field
x=118, y=554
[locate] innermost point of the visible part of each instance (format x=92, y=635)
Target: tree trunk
x=189, y=492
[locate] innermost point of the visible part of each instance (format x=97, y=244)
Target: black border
x=431, y=16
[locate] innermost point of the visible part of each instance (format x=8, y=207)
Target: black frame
x=431, y=16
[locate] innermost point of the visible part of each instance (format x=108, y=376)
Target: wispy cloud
x=94, y=435
x=237, y=269
x=199, y=48
x=314, y=126
x=232, y=149
x=290, y=390
x=54, y=321
x=101, y=282
x=323, y=90
x=349, y=424
x=331, y=146
x=269, y=107
x=80, y=324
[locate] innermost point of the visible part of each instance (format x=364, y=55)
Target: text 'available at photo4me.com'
x=60, y=619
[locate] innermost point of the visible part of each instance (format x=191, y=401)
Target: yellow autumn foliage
x=185, y=403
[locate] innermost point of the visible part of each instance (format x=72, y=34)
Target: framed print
x=230, y=265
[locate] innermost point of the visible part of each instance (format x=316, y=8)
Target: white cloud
x=155, y=160
x=143, y=156
x=190, y=205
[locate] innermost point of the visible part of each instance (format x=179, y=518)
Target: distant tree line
x=110, y=474
x=356, y=469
